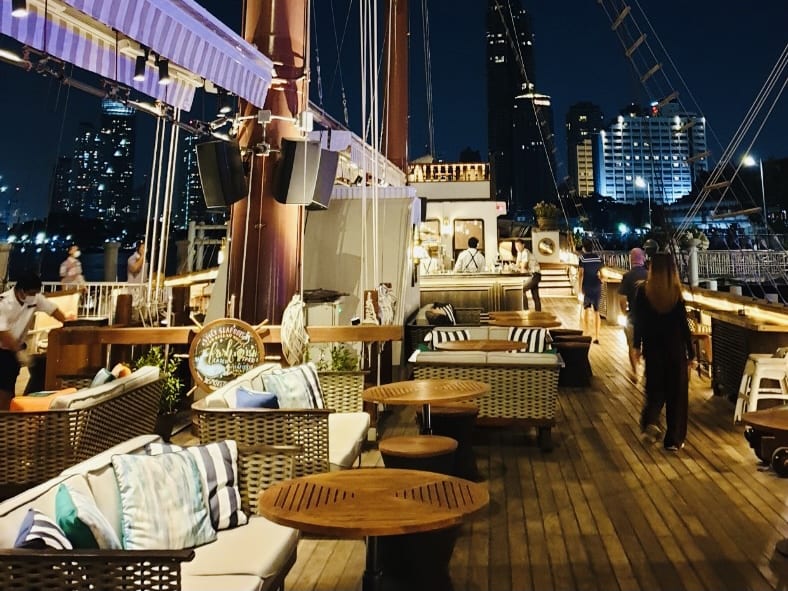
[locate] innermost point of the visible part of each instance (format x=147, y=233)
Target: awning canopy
x=104, y=37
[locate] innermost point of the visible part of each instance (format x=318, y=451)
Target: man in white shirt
x=470, y=259
x=135, y=266
x=17, y=308
x=526, y=263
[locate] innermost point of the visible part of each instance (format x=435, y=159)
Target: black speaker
x=305, y=174
x=221, y=173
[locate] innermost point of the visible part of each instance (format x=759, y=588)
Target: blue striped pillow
x=39, y=531
x=295, y=387
x=218, y=467
x=534, y=338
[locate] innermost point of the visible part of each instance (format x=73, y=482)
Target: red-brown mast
x=264, y=258
x=395, y=121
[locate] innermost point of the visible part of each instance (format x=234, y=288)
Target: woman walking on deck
x=662, y=335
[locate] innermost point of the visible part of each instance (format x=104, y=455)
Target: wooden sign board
x=223, y=350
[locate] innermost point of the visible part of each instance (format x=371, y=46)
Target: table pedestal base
x=417, y=562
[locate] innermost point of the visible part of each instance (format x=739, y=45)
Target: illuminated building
x=584, y=121
x=664, y=148
x=118, y=134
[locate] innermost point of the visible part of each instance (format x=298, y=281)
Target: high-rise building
x=533, y=164
x=118, y=134
x=87, y=174
x=653, y=154
x=584, y=121
x=519, y=118
x=62, y=184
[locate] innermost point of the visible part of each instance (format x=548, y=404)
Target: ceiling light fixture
x=164, y=71
x=19, y=8
x=224, y=102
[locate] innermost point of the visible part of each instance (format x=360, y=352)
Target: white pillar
x=5, y=253
x=111, y=261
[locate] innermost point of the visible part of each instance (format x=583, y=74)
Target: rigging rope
x=425, y=35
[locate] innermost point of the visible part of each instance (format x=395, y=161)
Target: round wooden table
x=425, y=393
x=372, y=502
x=480, y=345
x=525, y=321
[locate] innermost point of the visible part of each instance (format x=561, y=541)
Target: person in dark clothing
x=590, y=285
x=626, y=294
x=662, y=336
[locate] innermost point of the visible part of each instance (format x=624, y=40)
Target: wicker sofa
x=40, y=444
x=523, y=386
x=329, y=438
x=253, y=557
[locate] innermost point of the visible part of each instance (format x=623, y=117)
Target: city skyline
x=577, y=58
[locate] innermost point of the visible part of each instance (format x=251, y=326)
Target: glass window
x=465, y=229
x=430, y=231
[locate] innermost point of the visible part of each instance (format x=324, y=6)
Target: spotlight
x=18, y=8
x=140, y=64
x=224, y=103
x=164, y=71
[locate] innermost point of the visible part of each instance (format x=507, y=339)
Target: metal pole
x=648, y=193
x=763, y=191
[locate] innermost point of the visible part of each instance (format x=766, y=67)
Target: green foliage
x=546, y=210
x=168, y=371
x=342, y=358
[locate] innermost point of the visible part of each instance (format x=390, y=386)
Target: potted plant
x=171, y=388
x=546, y=215
x=340, y=378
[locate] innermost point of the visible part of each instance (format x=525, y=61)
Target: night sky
x=724, y=49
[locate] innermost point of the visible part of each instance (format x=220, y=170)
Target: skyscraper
x=651, y=154
x=87, y=172
x=584, y=121
x=519, y=118
x=62, y=184
x=118, y=134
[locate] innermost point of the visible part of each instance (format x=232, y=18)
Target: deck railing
x=99, y=297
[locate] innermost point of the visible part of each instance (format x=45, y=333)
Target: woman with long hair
x=663, y=337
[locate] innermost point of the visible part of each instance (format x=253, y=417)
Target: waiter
x=17, y=308
x=470, y=259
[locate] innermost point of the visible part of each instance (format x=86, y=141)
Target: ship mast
x=264, y=257
x=395, y=60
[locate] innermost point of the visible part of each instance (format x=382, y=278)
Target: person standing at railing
x=71, y=269
x=17, y=308
x=135, y=266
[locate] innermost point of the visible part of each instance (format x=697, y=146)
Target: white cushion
x=295, y=387
x=499, y=333
x=105, y=490
x=347, y=432
x=259, y=548
x=222, y=583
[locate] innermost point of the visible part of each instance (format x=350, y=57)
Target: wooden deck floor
x=603, y=511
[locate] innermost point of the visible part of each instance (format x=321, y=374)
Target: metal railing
x=98, y=298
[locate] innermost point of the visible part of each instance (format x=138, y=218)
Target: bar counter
x=488, y=291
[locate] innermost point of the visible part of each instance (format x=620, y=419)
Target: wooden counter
x=488, y=291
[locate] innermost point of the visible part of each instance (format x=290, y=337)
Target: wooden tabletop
x=772, y=420
x=372, y=502
x=417, y=446
x=481, y=345
x=524, y=321
x=425, y=391
x=521, y=313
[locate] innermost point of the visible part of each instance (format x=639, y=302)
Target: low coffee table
x=425, y=393
x=373, y=502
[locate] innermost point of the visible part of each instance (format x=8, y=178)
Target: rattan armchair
x=40, y=445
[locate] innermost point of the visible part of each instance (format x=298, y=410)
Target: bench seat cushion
x=346, y=434
x=89, y=396
x=223, y=582
x=260, y=549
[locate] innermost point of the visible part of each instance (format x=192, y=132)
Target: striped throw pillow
x=447, y=309
x=444, y=336
x=534, y=338
x=39, y=531
x=295, y=387
x=218, y=467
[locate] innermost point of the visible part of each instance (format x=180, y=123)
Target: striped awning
x=198, y=46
